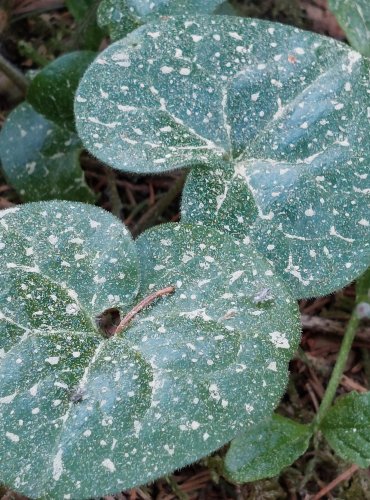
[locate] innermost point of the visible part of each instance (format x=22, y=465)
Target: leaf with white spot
x=278, y=119
x=200, y=90
x=314, y=228
x=206, y=351
x=299, y=183
x=120, y=17
x=41, y=160
x=52, y=91
x=266, y=449
x=346, y=427
x=354, y=18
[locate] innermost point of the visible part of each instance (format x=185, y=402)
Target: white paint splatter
x=58, y=465
x=109, y=465
x=13, y=437
x=279, y=340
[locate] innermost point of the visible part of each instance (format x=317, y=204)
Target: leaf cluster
x=123, y=360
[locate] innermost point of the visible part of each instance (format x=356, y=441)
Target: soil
x=34, y=32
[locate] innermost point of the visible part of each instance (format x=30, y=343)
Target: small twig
x=156, y=210
x=316, y=306
x=352, y=385
x=312, y=396
x=142, y=305
x=342, y=477
x=238, y=492
x=37, y=7
x=137, y=209
x=316, y=384
x=143, y=494
x=130, y=195
x=14, y=74
x=114, y=196
x=181, y=495
x=327, y=326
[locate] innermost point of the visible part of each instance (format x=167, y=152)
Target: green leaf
x=226, y=9
x=41, y=160
x=277, y=115
x=79, y=8
x=266, y=449
x=84, y=415
x=302, y=209
x=346, y=427
x=121, y=17
x=312, y=224
x=52, y=90
x=354, y=18
x=88, y=32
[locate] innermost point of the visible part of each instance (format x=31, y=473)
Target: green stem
x=14, y=74
x=340, y=364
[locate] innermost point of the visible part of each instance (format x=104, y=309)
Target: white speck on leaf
x=58, y=465
x=109, y=465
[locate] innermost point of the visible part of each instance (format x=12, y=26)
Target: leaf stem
x=338, y=370
x=14, y=74
x=142, y=305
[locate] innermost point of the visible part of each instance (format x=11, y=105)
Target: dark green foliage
x=266, y=449
x=40, y=159
x=52, y=91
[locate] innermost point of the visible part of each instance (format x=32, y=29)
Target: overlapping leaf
x=354, y=18
x=52, y=91
x=122, y=16
x=84, y=415
x=279, y=118
x=346, y=427
x=41, y=160
x=266, y=449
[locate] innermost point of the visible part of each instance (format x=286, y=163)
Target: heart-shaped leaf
x=84, y=415
x=354, y=18
x=279, y=117
x=346, y=427
x=265, y=449
x=120, y=17
x=41, y=160
x=53, y=89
